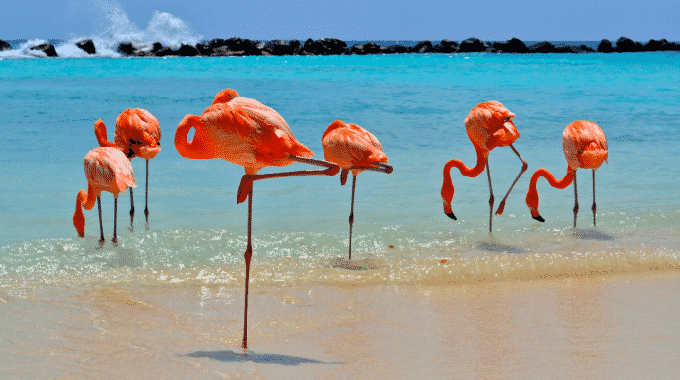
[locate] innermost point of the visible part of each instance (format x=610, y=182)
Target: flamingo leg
x=594, y=208
x=488, y=175
x=247, y=180
x=351, y=216
x=101, y=226
x=524, y=168
x=146, y=196
x=132, y=210
x=248, y=255
x=115, y=219
x=575, y=199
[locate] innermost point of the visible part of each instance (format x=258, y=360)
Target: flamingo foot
x=244, y=188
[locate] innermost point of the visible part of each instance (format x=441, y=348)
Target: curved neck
x=100, y=132
x=532, y=194
x=83, y=200
x=447, y=186
x=200, y=146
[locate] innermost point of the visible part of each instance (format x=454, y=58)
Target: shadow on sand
x=363, y=264
x=233, y=357
x=592, y=234
x=492, y=246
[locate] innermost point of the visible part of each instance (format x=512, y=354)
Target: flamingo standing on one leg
x=585, y=147
x=356, y=149
x=489, y=125
x=138, y=134
x=245, y=132
x=106, y=169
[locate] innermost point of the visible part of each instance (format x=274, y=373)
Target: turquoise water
x=415, y=104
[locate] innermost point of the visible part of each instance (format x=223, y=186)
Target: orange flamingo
x=489, y=125
x=106, y=169
x=585, y=147
x=138, y=134
x=245, y=132
x=356, y=149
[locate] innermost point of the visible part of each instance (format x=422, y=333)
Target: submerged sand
x=610, y=327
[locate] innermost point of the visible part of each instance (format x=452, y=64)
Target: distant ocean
x=415, y=105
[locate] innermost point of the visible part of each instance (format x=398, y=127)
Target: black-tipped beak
x=539, y=218
x=452, y=216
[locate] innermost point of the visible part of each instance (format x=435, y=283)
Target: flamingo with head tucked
x=585, y=147
x=489, y=125
x=106, y=169
x=356, y=149
x=245, y=132
x=137, y=134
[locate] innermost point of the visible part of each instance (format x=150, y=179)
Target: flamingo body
x=106, y=169
x=242, y=131
x=585, y=147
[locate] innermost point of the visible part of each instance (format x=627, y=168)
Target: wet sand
x=611, y=327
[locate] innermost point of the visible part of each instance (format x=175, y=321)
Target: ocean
x=173, y=293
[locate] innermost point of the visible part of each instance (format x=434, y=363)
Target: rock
x=4, y=45
x=399, y=49
x=605, y=46
x=422, y=47
x=542, y=47
x=282, y=47
x=87, y=46
x=367, y=48
x=514, y=45
x=582, y=49
x=626, y=45
x=333, y=46
x=46, y=48
x=126, y=48
x=472, y=45
x=446, y=46
x=187, y=51
x=660, y=45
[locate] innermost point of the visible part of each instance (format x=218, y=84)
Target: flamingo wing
x=138, y=133
x=350, y=145
x=107, y=169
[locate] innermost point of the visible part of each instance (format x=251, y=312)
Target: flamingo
x=137, y=134
x=356, y=149
x=489, y=125
x=585, y=147
x=106, y=169
x=245, y=132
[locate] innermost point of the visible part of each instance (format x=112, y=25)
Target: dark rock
x=542, y=47
x=142, y=53
x=446, y=46
x=582, y=49
x=367, y=48
x=224, y=51
x=564, y=49
x=282, y=47
x=187, y=51
x=87, y=46
x=472, y=45
x=46, y=48
x=126, y=48
x=605, y=46
x=514, y=45
x=4, y=45
x=422, y=47
x=398, y=49
x=626, y=45
x=660, y=45
x=326, y=46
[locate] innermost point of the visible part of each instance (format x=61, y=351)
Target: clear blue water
x=414, y=103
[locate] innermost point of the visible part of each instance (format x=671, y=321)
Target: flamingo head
x=532, y=203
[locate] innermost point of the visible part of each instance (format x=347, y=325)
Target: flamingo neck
x=532, y=194
x=447, y=186
x=100, y=132
x=83, y=200
x=200, y=146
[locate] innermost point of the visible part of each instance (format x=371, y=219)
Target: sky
x=494, y=20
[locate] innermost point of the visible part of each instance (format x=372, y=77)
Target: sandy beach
x=613, y=327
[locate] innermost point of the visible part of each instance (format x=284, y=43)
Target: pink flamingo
x=356, y=149
x=106, y=169
x=585, y=147
x=138, y=134
x=245, y=132
x=489, y=125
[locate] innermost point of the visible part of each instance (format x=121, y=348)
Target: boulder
x=542, y=47
x=46, y=48
x=4, y=45
x=446, y=46
x=514, y=45
x=422, y=47
x=187, y=51
x=87, y=46
x=626, y=45
x=282, y=47
x=399, y=49
x=605, y=46
x=367, y=48
x=472, y=45
x=126, y=48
